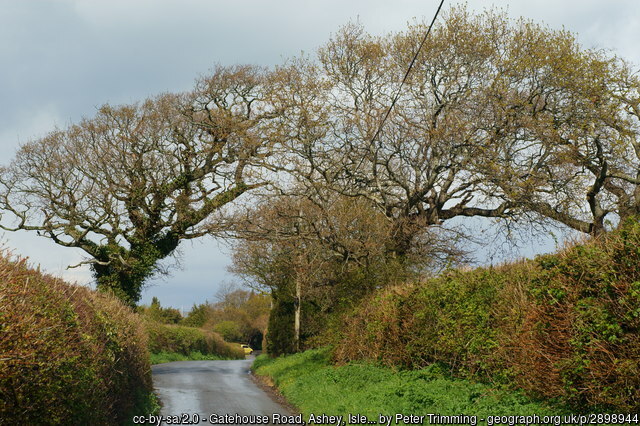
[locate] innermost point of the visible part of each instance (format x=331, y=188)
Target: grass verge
x=313, y=385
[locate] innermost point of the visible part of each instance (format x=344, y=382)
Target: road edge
x=267, y=385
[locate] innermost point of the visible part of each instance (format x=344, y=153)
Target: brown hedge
x=68, y=355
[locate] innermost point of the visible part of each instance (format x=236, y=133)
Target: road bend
x=211, y=387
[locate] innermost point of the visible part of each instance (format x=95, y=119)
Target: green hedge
x=185, y=340
x=68, y=355
x=563, y=326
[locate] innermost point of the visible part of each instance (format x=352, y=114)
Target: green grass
x=312, y=384
x=162, y=357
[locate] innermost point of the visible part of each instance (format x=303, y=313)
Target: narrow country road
x=211, y=387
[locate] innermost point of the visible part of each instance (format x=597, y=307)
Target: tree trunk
x=120, y=283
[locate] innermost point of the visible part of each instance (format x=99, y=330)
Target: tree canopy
x=497, y=118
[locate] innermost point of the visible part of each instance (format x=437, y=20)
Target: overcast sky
x=60, y=59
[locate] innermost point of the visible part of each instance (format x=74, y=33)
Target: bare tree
x=420, y=170
x=129, y=184
x=296, y=249
x=564, y=132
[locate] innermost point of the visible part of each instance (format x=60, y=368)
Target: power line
x=406, y=75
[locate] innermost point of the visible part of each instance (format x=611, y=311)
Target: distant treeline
x=239, y=316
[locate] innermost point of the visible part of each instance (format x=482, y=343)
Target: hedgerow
x=68, y=355
x=186, y=340
x=564, y=327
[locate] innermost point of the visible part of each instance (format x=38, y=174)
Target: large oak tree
x=128, y=185
x=497, y=118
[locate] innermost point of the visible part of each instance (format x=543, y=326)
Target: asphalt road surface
x=211, y=387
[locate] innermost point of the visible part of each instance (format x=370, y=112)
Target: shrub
x=162, y=357
x=185, y=340
x=68, y=355
x=580, y=338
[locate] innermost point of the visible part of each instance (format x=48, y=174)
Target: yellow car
x=247, y=349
